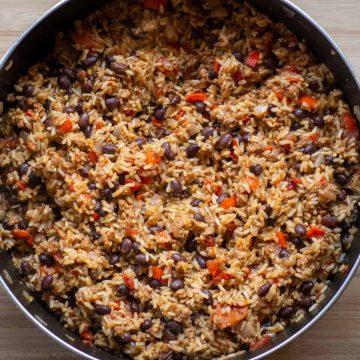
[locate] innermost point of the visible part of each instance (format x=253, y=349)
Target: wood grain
x=335, y=337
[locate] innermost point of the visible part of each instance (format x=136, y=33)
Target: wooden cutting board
x=335, y=337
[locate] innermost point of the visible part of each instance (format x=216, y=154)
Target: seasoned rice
x=178, y=179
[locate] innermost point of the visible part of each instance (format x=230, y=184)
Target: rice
x=178, y=179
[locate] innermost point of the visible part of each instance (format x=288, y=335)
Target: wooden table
x=335, y=337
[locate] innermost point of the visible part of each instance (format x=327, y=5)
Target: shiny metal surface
x=30, y=47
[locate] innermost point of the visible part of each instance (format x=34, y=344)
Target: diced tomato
x=218, y=190
x=350, y=125
x=135, y=186
x=21, y=234
x=222, y=276
x=159, y=92
x=323, y=181
x=66, y=126
x=314, y=137
x=238, y=76
x=259, y=344
x=96, y=216
x=93, y=156
x=290, y=41
x=146, y=180
x=87, y=40
x=308, y=102
x=87, y=335
x=253, y=182
x=152, y=158
x=30, y=240
x=180, y=114
x=129, y=112
x=154, y=4
x=292, y=68
x=233, y=316
x=216, y=67
x=229, y=202
x=281, y=237
x=214, y=267
x=209, y=241
x=230, y=228
x=20, y=185
x=253, y=58
x=315, y=231
x=156, y=122
x=195, y=97
x=99, y=124
x=279, y=94
x=268, y=148
x=129, y=282
x=130, y=231
x=295, y=79
x=157, y=272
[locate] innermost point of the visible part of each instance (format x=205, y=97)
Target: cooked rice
x=81, y=195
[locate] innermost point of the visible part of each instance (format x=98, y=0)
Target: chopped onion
x=260, y=110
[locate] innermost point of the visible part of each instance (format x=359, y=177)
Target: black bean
x=314, y=85
x=300, y=113
x=47, y=105
x=190, y=245
x=84, y=120
x=264, y=289
x=140, y=142
x=283, y=253
x=160, y=133
x=176, y=284
x=212, y=74
x=300, y=230
x=306, y=287
x=122, y=179
x=174, y=99
x=146, y=325
x=178, y=257
x=47, y=259
x=299, y=244
x=210, y=39
x=63, y=82
x=109, y=149
x=68, y=109
x=209, y=300
x=34, y=180
x=168, y=335
x=80, y=107
x=126, y=246
x=114, y=259
x=310, y=148
x=107, y=193
x=94, y=235
x=28, y=90
x=328, y=160
x=154, y=283
x=86, y=87
x=168, y=153
x=70, y=73
x=256, y=169
x=123, y=290
x=155, y=229
x=224, y=141
x=90, y=60
x=123, y=339
x=47, y=282
x=318, y=121
x=176, y=188
x=109, y=59
x=23, y=169
x=295, y=126
x=102, y=309
x=199, y=217
x=238, y=56
x=134, y=306
x=341, y=179
x=85, y=170
x=192, y=150
x=271, y=62
x=195, y=202
x=25, y=268
x=159, y=113
x=286, y=312
x=246, y=137
x=341, y=196
x=88, y=131
x=329, y=221
x=118, y=68
x=142, y=259
x=221, y=198
x=200, y=106
x=201, y=261
x=112, y=103
x=207, y=132
x=175, y=327
x=306, y=302
x=268, y=210
x=136, y=247
x=272, y=108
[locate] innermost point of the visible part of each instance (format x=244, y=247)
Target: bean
x=271, y=62
x=123, y=339
x=160, y=133
x=328, y=160
x=112, y=103
x=200, y=107
x=146, y=325
x=84, y=120
x=224, y=141
x=140, y=142
x=210, y=39
x=341, y=196
x=34, y=180
x=63, y=82
x=264, y=289
x=341, y=179
x=168, y=153
x=268, y=210
x=192, y=150
x=295, y=126
x=102, y=309
x=142, y=259
x=175, y=327
x=136, y=247
x=238, y=56
x=86, y=87
x=90, y=60
x=299, y=244
x=310, y=148
x=201, y=261
x=88, y=131
x=246, y=137
x=314, y=85
x=286, y=312
x=25, y=268
x=159, y=113
x=134, y=306
x=195, y=202
x=176, y=284
x=80, y=107
x=178, y=257
x=109, y=59
x=47, y=259
x=318, y=121
x=126, y=246
x=123, y=290
x=209, y=300
x=190, y=245
x=300, y=113
x=212, y=74
x=122, y=179
x=176, y=188
x=306, y=287
x=23, y=169
x=154, y=283
x=107, y=193
x=109, y=149
x=47, y=105
x=68, y=109
x=199, y=217
x=118, y=68
x=207, y=132
x=70, y=73
x=329, y=221
x=272, y=108
x=114, y=259
x=174, y=99
x=28, y=90
x=300, y=230
x=283, y=253
x=256, y=169
x=306, y=302
x=94, y=235
x=47, y=282
x=221, y=198
x=168, y=335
